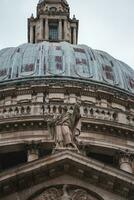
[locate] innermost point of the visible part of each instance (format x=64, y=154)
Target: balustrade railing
x=16, y=111
x=100, y=113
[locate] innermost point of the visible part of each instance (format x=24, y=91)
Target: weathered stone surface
x=66, y=116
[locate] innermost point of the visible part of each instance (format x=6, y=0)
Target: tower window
x=33, y=34
x=53, y=32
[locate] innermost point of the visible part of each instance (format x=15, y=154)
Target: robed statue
x=66, y=127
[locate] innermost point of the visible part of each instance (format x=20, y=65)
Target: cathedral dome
x=66, y=115
x=77, y=62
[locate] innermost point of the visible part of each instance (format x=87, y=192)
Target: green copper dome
x=65, y=60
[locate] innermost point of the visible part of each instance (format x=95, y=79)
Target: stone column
x=41, y=29
x=65, y=30
x=125, y=161
x=31, y=34
x=60, y=30
x=74, y=36
x=32, y=151
x=46, y=29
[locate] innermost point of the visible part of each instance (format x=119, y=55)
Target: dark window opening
x=62, y=30
x=107, y=159
x=53, y=31
x=71, y=35
x=12, y=159
x=44, y=152
x=33, y=34
x=44, y=24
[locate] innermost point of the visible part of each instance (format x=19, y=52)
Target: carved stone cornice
x=125, y=160
x=125, y=155
x=23, y=125
x=107, y=129
x=94, y=172
x=67, y=85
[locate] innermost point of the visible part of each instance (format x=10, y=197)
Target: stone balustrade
x=100, y=113
x=39, y=109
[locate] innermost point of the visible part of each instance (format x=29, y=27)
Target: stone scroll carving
x=65, y=193
x=65, y=128
x=49, y=194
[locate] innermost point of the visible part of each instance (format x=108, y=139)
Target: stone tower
x=53, y=23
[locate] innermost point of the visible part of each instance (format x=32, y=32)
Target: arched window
x=53, y=9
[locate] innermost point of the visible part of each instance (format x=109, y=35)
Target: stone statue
x=66, y=127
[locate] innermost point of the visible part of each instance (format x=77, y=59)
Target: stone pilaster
x=31, y=34
x=74, y=36
x=46, y=29
x=60, y=30
x=125, y=161
x=65, y=30
x=41, y=29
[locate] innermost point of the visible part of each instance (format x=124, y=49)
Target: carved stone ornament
x=65, y=193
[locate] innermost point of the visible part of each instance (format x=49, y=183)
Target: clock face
x=81, y=63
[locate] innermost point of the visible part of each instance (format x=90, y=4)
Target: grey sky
x=104, y=24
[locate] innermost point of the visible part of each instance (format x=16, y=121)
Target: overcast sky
x=104, y=24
